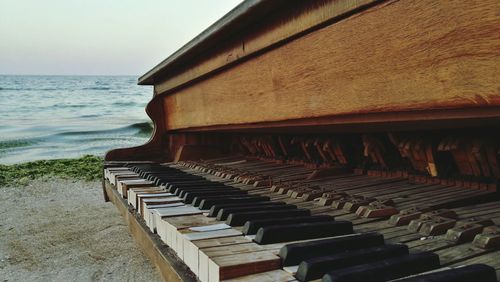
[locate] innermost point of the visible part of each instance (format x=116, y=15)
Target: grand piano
x=332, y=140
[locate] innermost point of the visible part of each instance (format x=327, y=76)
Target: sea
x=54, y=117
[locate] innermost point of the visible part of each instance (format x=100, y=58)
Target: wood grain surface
x=295, y=18
x=398, y=56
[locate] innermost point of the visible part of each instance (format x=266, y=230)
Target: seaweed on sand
x=87, y=168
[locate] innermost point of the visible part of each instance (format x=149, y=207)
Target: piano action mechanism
x=333, y=140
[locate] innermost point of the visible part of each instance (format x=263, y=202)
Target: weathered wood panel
x=297, y=17
x=398, y=56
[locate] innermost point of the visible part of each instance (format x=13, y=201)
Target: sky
x=99, y=37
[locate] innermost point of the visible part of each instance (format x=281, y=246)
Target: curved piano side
x=156, y=148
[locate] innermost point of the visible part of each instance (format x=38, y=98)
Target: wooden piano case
x=404, y=85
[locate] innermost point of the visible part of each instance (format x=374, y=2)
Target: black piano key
x=153, y=178
x=198, y=200
x=147, y=166
x=186, y=184
x=175, y=188
x=208, y=203
x=158, y=182
x=190, y=196
x=142, y=173
x=251, y=227
x=138, y=169
x=302, y=231
x=198, y=183
x=473, y=272
x=182, y=192
x=170, y=185
x=177, y=179
x=214, y=210
x=385, y=270
x=168, y=177
x=240, y=218
x=293, y=254
x=179, y=191
x=150, y=177
x=224, y=213
x=315, y=268
x=160, y=174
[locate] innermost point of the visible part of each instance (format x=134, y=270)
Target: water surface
x=50, y=117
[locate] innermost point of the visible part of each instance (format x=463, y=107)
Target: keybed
x=245, y=220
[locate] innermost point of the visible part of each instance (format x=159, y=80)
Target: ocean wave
x=90, y=116
x=145, y=129
x=30, y=89
x=96, y=88
x=128, y=104
x=17, y=143
x=142, y=128
x=68, y=106
x=89, y=140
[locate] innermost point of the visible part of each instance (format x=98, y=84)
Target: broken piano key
x=251, y=227
x=293, y=254
x=302, y=231
x=315, y=268
x=385, y=270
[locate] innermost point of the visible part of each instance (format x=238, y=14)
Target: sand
x=62, y=230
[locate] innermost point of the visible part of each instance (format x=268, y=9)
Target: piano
x=322, y=140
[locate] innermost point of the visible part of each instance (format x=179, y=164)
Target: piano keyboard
x=234, y=219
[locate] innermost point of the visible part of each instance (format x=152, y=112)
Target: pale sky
x=99, y=37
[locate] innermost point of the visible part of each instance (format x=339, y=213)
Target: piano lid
x=265, y=22
x=236, y=19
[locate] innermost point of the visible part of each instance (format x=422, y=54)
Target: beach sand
x=62, y=230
